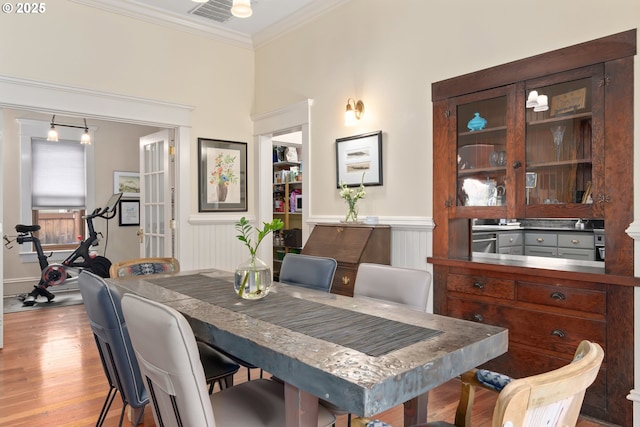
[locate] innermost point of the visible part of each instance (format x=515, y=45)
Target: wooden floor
x=51, y=375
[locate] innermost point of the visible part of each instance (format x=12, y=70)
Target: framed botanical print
x=222, y=175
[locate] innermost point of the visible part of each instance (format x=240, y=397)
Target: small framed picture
x=129, y=212
x=127, y=183
x=359, y=160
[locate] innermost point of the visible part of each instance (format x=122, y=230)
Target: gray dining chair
x=102, y=303
x=308, y=271
x=395, y=285
x=174, y=377
x=408, y=287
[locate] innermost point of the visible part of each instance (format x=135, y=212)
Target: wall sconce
x=354, y=112
x=241, y=8
x=53, y=133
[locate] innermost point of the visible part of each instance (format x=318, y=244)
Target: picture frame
x=127, y=183
x=129, y=212
x=568, y=103
x=359, y=160
x=222, y=175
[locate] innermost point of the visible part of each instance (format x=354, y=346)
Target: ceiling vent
x=216, y=10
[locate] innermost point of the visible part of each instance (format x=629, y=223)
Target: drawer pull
x=478, y=285
x=478, y=318
x=539, y=240
x=558, y=333
x=345, y=280
x=510, y=239
x=558, y=295
x=575, y=241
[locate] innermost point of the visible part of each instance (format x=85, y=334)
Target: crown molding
x=171, y=20
x=214, y=31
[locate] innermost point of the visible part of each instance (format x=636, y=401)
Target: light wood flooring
x=51, y=375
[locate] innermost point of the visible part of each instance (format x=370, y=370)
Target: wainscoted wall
x=214, y=245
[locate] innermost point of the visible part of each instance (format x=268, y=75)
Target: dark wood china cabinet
x=546, y=137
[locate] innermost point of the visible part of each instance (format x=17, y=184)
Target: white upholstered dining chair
x=173, y=375
x=404, y=286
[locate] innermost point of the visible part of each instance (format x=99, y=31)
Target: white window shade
x=58, y=174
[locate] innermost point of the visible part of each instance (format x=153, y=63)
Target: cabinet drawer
x=511, y=250
x=581, y=254
x=509, y=239
x=586, y=300
x=343, y=280
x=576, y=240
x=540, y=239
x=536, y=329
x=481, y=285
x=541, y=251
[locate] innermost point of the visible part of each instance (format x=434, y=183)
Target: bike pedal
x=21, y=297
x=28, y=302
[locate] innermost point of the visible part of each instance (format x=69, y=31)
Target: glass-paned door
x=563, y=144
x=155, y=201
x=482, y=154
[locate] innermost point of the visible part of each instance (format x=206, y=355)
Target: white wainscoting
x=214, y=245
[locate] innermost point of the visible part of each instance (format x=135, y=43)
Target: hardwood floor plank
x=51, y=375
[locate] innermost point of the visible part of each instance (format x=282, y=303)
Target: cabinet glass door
x=560, y=150
x=482, y=183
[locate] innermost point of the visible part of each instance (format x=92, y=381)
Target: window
x=54, y=183
x=58, y=178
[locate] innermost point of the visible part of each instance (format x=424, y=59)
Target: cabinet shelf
x=567, y=117
x=482, y=131
x=546, y=165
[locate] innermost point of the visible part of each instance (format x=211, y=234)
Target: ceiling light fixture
x=354, y=112
x=241, y=8
x=53, y=133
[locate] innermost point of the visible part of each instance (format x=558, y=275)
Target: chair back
x=142, y=266
x=169, y=362
x=102, y=303
x=553, y=398
x=308, y=271
x=393, y=284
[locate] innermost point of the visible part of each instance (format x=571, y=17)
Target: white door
x=156, y=203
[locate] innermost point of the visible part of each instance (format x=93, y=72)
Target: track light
x=241, y=8
x=53, y=133
x=354, y=112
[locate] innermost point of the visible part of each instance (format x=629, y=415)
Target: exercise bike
x=80, y=259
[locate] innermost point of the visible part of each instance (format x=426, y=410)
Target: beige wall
x=388, y=54
x=116, y=148
x=84, y=47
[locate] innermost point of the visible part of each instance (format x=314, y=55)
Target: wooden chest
x=350, y=245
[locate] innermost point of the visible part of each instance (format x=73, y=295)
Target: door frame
x=41, y=97
x=295, y=116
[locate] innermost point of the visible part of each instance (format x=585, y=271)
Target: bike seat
x=21, y=228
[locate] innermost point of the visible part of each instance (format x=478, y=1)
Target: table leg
x=415, y=410
x=301, y=407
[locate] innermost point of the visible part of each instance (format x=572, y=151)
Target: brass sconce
x=354, y=112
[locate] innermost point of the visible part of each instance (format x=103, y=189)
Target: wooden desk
x=378, y=357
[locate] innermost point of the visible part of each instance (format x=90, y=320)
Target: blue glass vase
x=477, y=123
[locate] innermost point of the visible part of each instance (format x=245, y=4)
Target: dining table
x=362, y=355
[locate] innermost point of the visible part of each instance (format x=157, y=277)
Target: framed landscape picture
x=127, y=183
x=222, y=175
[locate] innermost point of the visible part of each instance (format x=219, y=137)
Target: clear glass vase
x=252, y=279
x=352, y=214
